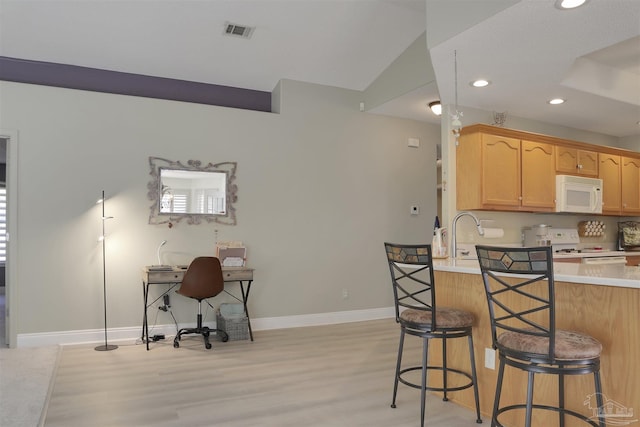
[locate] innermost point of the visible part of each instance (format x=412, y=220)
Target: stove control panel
x=564, y=236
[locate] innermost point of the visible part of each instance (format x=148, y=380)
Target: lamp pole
x=105, y=346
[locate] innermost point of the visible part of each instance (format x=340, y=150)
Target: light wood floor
x=338, y=375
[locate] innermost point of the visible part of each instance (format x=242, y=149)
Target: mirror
x=192, y=192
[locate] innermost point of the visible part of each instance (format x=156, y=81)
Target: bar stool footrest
x=436, y=368
x=523, y=407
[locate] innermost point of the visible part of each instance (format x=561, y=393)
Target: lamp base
x=106, y=347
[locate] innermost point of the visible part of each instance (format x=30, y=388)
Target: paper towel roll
x=493, y=233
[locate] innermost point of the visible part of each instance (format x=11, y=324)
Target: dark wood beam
x=116, y=82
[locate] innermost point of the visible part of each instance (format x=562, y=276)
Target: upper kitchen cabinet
x=610, y=172
x=496, y=170
x=509, y=170
x=538, y=176
x=630, y=178
x=573, y=161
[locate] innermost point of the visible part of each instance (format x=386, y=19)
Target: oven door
x=605, y=260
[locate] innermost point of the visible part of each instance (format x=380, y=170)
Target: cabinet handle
x=579, y=166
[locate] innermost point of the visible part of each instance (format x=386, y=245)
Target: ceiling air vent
x=238, y=30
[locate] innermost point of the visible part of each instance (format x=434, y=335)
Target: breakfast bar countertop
x=594, y=274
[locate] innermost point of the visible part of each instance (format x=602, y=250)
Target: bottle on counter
x=439, y=241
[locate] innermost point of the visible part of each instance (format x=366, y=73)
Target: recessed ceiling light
x=436, y=107
x=556, y=101
x=569, y=4
x=480, y=83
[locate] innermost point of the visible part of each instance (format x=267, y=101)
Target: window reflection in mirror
x=192, y=192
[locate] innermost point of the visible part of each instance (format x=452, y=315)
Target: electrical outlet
x=345, y=293
x=489, y=358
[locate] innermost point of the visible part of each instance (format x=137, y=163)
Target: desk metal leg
x=245, y=299
x=145, y=321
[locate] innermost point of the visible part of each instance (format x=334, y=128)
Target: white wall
x=321, y=187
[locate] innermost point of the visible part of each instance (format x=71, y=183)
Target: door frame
x=11, y=272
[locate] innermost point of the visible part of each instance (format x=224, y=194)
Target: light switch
x=414, y=142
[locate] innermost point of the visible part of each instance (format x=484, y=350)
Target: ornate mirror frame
x=156, y=164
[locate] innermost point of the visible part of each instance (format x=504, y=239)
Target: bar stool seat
x=569, y=345
x=446, y=317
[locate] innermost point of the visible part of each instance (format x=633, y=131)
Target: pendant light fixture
x=456, y=123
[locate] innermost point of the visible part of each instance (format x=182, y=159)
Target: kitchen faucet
x=454, y=245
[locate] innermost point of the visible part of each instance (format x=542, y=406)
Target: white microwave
x=577, y=194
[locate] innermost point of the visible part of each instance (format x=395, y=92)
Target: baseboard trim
x=128, y=334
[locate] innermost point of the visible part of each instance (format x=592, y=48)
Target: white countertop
x=603, y=275
x=594, y=254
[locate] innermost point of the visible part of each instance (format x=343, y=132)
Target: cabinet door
x=588, y=163
x=538, y=176
x=630, y=186
x=610, y=171
x=576, y=162
x=500, y=171
x=566, y=160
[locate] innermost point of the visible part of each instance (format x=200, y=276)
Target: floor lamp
x=105, y=346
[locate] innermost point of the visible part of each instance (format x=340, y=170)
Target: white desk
x=173, y=277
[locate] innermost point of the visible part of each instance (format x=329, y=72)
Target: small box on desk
x=231, y=256
x=232, y=319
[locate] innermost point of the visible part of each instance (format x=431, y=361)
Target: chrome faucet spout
x=454, y=222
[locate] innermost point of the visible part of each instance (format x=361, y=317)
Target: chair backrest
x=411, y=268
x=519, y=286
x=203, y=279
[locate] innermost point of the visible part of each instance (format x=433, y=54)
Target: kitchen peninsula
x=601, y=300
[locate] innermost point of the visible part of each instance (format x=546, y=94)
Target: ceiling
x=530, y=50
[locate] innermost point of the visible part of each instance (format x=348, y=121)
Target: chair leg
x=199, y=329
x=423, y=391
x=496, y=400
x=398, y=364
x=474, y=378
x=600, y=403
x=444, y=366
x=561, y=399
x=529, y=411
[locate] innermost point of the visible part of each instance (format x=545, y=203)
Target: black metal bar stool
x=519, y=285
x=411, y=268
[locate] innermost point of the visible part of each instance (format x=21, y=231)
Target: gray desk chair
x=523, y=328
x=411, y=268
x=203, y=279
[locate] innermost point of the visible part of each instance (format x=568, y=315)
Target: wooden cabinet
x=610, y=171
x=498, y=172
x=538, y=176
x=509, y=170
x=574, y=161
x=630, y=178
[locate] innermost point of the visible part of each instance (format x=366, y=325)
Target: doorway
x=9, y=237
x=3, y=240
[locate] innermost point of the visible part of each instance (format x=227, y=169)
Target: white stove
x=566, y=244
x=561, y=239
